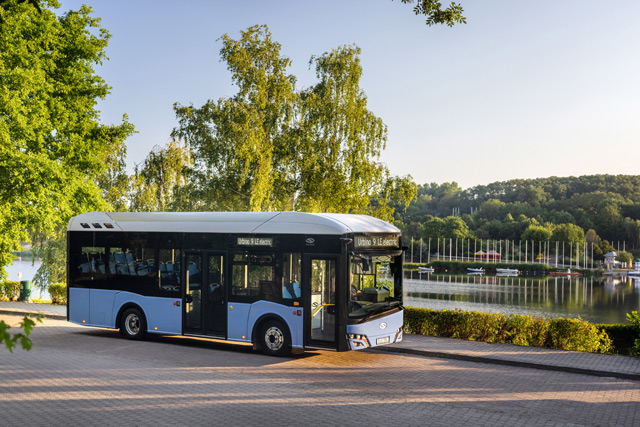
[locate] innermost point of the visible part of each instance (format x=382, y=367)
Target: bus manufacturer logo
x=383, y=325
x=310, y=240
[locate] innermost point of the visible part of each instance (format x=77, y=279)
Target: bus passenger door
x=320, y=275
x=205, y=296
x=215, y=320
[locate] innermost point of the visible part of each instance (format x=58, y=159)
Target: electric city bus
x=283, y=281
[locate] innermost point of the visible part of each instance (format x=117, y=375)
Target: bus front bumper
x=381, y=331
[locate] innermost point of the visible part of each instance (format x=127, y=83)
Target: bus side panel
x=237, y=316
x=294, y=322
x=164, y=315
x=101, y=305
x=78, y=305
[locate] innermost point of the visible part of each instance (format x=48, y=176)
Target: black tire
x=133, y=325
x=274, y=338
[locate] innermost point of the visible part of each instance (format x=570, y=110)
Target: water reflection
x=599, y=300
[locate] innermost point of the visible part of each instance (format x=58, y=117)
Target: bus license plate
x=383, y=340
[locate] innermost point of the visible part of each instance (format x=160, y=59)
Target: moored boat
x=507, y=271
x=425, y=270
x=564, y=273
x=475, y=270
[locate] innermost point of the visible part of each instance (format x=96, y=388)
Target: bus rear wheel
x=275, y=339
x=133, y=324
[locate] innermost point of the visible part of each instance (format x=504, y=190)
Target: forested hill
x=608, y=204
x=625, y=188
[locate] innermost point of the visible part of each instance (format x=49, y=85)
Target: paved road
x=83, y=376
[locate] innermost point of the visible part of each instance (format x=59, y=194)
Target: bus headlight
x=358, y=341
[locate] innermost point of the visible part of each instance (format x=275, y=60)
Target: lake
x=25, y=270
x=598, y=300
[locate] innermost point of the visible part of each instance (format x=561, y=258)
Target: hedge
x=58, y=292
x=623, y=337
x=560, y=333
x=10, y=290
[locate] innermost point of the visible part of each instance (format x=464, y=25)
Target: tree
x=609, y=222
x=456, y=228
x=52, y=146
x=536, y=233
x=272, y=147
x=568, y=233
x=159, y=178
x=435, y=14
x=625, y=257
x=632, y=231
x=341, y=142
x=240, y=144
x=433, y=229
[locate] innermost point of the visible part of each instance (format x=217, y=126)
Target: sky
x=525, y=89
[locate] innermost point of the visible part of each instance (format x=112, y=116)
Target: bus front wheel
x=132, y=324
x=275, y=339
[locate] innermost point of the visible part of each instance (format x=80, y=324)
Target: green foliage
x=9, y=290
x=58, y=292
x=11, y=341
x=536, y=233
x=435, y=14
x=273, y=147
x=52, y=145
x=566, y=334
x=607, y=204
x=624, y=256
x=54, y=261
x=578, y=335
x=634, y=319
x=161, y=177
x=568, y=233
x=623, y=337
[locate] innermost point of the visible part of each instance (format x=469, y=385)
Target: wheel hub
x=132, y=324
x=274, y=338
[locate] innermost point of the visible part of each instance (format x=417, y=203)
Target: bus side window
x=90, y=262
x=252, y=278
x=291, y=271
x=169, y=271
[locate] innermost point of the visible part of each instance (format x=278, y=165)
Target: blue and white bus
x=284, y=281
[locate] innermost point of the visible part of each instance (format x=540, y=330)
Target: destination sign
x=255, y=241
x=376, y=241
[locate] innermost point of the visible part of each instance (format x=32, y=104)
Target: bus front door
x=321, y=275
x=205, y=297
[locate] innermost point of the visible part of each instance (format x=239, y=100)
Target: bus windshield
x=376, y=284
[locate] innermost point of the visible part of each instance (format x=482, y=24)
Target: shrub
x=622, y=336
x=578, y=335
x=635, y=323
x=567, y=334
x=526, y=330
x=58, y=292
x=10, y=290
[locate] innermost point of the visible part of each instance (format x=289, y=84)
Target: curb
x=34, y=313
x=480, y=359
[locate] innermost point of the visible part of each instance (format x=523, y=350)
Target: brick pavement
x=86, y=376
x=21, y=308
